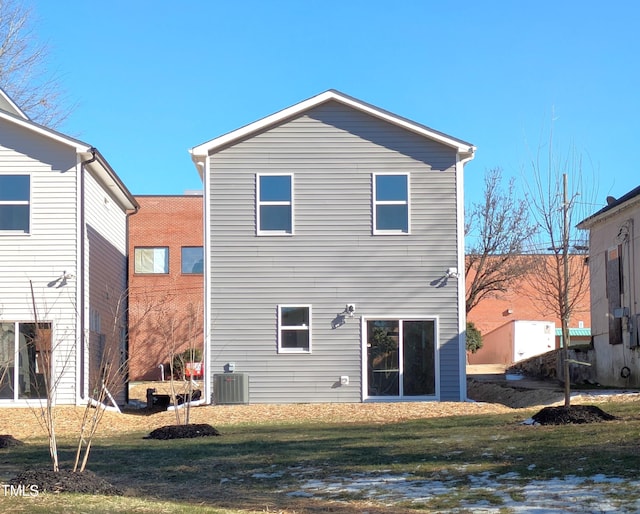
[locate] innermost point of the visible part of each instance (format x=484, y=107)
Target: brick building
x=521, y=302
x=166, y=286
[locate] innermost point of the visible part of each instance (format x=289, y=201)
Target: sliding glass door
x=25, y=350
x=400, y=358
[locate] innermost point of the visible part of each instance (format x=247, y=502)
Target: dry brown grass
x=22, y=422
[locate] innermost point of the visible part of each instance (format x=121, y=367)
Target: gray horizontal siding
x=333, y=258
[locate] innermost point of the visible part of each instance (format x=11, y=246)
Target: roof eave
x=603, y=215
x=107, y=176
x=199, y=152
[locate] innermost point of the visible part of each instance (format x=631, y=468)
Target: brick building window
x=151, y=260
x=192, y=260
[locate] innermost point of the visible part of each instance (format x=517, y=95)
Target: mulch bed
x=6, y=441
x=573, y=414
x=64, y=481
x=183, y=431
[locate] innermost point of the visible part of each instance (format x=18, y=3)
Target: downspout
x=462, y=291
x=203, y=165
x=82, y=381
x=126, y=315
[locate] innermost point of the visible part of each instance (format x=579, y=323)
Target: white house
x=614, y=262
x=334, y=257
x=63, y=257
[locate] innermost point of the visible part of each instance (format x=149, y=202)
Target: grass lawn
x=317, y=467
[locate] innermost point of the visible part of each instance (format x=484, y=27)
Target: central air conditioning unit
x=231, y=388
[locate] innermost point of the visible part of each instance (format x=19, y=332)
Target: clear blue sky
x=152, y=79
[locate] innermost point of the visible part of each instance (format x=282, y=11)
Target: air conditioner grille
x=231, y=388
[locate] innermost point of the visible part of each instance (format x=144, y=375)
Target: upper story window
x=14, y=203
x=274, y=209
x=192, y=260
x=294, y=328
x=151, y=260
x=390, y=203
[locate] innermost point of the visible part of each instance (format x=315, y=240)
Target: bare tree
x=107, y=378
x=561, y=275
x=177, y=328
x=46, y=376
x=23, y=72
x=170, y=326
x=497, y=231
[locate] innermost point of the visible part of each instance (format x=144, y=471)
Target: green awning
x=578, y=332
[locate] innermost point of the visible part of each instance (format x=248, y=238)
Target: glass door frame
x=365, y=358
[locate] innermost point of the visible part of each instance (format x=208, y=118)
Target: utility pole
x=565, y=294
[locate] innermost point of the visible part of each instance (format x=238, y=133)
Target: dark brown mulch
x=183, y=431
x=7, y=440
x=65, y=481
x=572, y=414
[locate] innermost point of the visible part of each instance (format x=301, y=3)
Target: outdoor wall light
x=452, y=273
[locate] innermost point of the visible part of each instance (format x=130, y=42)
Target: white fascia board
x=595, y=219
x=206, y=148
x=101, y=169
x=46, y=132
x=8, y=102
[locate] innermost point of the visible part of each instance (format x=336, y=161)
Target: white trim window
x=391, y=203
x=150, y=260
x=400, y=358
x=25, y=357
x=274, y=204
x=15, y=204
x=294, y=328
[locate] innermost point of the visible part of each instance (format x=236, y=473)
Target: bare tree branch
x=23, y=72
x=497, y=230
x=560, y=276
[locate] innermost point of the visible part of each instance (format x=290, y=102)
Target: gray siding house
x=333, y=240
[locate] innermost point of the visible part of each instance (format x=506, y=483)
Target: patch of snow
x=597, y=493
x=277, y=474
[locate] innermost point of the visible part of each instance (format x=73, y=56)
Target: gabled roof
x=613, y=206
x=96, y=163
x=201, y=151
x=8, y=105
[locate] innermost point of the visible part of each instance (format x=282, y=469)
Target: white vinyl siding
x=106, y=284
x=42, y=258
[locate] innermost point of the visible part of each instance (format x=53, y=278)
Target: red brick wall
x=165, y=311
x=522, y=302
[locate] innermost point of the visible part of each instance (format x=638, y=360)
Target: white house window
x=274, y=209
x=151, y=260
x=14, y=203
x=294, y=328
x=25, y=359
x=191, y=262
x=391, y=204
